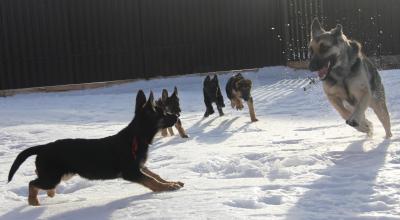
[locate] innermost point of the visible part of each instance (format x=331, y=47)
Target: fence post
x=285, y=27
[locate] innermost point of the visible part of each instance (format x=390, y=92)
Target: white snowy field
x=299, y=161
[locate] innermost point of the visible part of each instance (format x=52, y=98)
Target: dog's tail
x=21, y=158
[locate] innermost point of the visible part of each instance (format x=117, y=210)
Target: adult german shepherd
x=170, y=105
x=350, y=80
x=238, y=88
x=119, y=156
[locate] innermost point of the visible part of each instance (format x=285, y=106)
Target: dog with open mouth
x=122, y=155
x=351, y=81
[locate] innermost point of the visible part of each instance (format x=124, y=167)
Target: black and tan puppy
x=238, y=88
x=122, y=155
x=212, y=94
x=170, y=105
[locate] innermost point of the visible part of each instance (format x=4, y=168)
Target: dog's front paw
x=173, y=186
x=184, y=136
x=254, y=120
x=206, y=114
x=179, y=183
x=388, y=136
x=352, y=123
x=169, y=186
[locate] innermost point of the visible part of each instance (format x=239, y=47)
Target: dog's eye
x=323, y=48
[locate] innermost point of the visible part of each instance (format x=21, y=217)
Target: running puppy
x=238, y=88
x=212, y=93
x=122, y=155
x=350, y=80
x=170, y=105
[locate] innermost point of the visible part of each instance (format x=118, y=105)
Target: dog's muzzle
x=321, y=66
x=169, y=120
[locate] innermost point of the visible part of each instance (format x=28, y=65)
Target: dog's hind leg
x=178, y=126
x=33, y=193
x=382, y=112
x=251, y=110
x=171, y=132
x=40, y=183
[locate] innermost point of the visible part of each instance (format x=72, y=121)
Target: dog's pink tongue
x=323, y=72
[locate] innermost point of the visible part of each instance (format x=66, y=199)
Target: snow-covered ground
x=300, y=161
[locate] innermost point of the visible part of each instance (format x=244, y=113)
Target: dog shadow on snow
x=217, y=134
x=199, y=132
x=21, y=213
x=347, y=186
x=105, y=211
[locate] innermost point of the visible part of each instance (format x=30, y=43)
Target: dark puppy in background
x=238, y=88
x=122, y=155
x=212, y=94
x=351, y=81
x=170, y=105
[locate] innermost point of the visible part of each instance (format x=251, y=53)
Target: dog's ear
x=207, y=78
x=250, y=83
x=355, y=46
x=140, y=100
x=337, y=31
x=151, y=98
x=316, y=28
x=215, y=77
x=175, y=92
x=164, y=95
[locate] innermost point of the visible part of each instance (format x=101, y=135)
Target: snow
x=300, y=161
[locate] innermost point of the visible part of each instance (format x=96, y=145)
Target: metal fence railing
x=48, y=42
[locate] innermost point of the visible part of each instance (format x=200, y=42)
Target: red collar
x=135, y=147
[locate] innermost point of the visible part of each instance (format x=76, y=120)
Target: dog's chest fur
x=338, y=87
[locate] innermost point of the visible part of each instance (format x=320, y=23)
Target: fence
x=371, y=22
x=53, y=42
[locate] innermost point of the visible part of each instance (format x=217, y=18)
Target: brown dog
x=239, y=88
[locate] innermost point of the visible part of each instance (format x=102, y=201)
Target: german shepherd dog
x=170, y=105
x=238, y=88
x=122, y=155
x=212, y=94
x=350, y=80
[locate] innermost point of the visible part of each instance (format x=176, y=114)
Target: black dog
x=238, y=88
x=170, y=105
x=119, y=156
x=212, y=93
